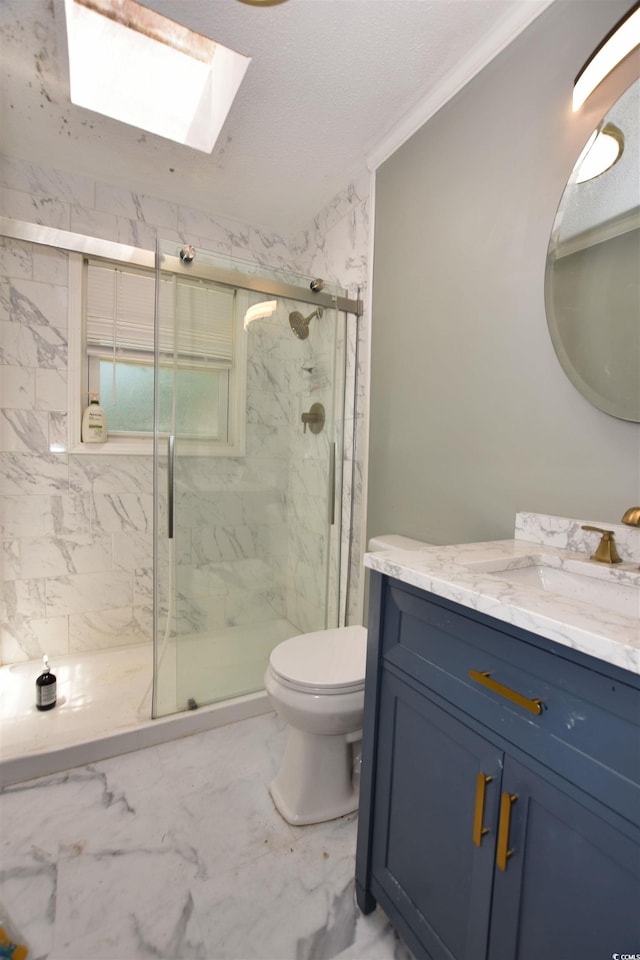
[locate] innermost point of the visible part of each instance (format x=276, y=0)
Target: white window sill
x=134, y=448
x=137, y=448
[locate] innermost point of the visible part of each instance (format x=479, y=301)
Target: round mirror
x=592, y=280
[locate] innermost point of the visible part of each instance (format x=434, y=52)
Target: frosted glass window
x=126, y=395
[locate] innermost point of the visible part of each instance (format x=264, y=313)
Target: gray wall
x=472, y=417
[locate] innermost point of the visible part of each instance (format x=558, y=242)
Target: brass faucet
x=606, y=551
x=632, y=517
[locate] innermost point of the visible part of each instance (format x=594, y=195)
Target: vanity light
x=601, y=152
x=259, y=311
x=618, y=44
x=130, y=63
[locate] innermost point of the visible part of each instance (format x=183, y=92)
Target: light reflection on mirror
x=601, y=152
x=592, y=281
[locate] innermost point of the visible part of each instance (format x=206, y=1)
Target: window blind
x=120, y=310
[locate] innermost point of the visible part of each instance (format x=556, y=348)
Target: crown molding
x=616, y=227
x=512, y=26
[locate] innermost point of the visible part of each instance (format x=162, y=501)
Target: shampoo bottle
x=94, y=422
x=46, y=687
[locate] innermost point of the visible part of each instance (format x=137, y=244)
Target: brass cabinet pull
x=478, y=830
x=534, y=706
x=503, y=853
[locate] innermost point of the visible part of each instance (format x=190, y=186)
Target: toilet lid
x=328, y=659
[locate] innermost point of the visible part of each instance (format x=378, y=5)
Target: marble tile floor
x=176, y=851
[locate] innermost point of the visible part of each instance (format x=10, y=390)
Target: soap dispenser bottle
x=94, y=422
x=46, y=687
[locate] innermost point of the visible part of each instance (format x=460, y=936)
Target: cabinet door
x=571, y=887
x=427, y=872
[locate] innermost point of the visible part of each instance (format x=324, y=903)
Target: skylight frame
x=138, y=67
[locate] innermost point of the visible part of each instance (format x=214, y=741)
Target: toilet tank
x=394, y=541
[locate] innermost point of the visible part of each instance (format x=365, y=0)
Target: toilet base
x=315, y=781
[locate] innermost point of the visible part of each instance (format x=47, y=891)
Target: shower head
x=300, y=324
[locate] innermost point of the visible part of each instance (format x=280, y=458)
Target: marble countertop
x=466, y=574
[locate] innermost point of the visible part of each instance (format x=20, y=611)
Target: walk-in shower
x=245, y=541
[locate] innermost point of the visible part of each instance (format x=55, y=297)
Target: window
x=126, y=392
x=200, y=351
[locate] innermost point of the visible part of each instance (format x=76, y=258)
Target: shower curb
x=149, y=733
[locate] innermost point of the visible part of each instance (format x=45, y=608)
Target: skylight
x=132, y=64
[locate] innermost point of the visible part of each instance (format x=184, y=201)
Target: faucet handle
x=606, y=551
x=315, y=417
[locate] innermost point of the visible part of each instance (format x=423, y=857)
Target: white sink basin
x=610, y=594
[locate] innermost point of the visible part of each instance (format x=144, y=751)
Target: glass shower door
x=249, y=416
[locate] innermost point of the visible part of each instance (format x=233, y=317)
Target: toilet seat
x=325, y=662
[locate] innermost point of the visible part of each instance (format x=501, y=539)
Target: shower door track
x=109, y=250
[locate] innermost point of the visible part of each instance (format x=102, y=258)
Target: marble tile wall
x=308, y=492
x=76, y=530
x=337, y=248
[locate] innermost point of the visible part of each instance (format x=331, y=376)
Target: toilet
x=315, y=682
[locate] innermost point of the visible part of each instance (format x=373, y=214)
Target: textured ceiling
x=330, y=81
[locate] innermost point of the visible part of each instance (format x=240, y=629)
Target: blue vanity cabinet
x=424, y=864
x=488, y=832
x=571, y=887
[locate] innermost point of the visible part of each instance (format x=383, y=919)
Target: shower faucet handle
x=315, y=417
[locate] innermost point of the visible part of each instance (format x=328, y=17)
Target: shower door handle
x=332, y=484
x=171, y=446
